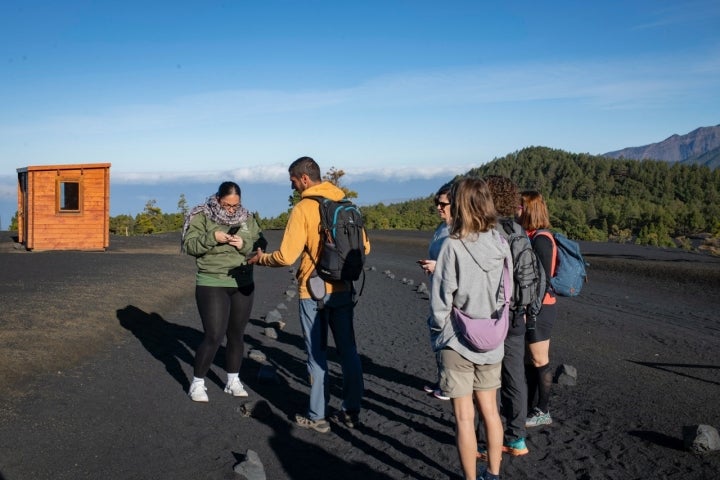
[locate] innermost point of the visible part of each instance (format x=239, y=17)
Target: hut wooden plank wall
x=64, y=207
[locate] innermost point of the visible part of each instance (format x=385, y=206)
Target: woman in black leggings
x=220, y=234
x=534, y=217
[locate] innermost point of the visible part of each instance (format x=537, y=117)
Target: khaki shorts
x=460, y=377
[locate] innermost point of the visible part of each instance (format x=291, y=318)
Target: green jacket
x=220, y=264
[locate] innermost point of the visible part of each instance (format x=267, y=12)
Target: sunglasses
x=442, y=204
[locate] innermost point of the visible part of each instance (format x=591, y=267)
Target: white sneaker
x=236, y=389
x=197, y=392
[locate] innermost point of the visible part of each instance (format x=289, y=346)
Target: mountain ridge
x=699, y=147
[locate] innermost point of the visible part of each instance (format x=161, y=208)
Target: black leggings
x=225, y=312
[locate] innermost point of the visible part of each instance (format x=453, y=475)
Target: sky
x=388, y=91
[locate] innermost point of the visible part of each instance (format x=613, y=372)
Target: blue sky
x=385, y=90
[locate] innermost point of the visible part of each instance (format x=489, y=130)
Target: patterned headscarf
x=215, y=212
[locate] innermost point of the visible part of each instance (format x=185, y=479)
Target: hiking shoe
x=321, y=425
x=485, y=475
x=197, y=392
x=537, y=417
x=349, y=419
x=440, y=395
x=516, y=448
x=430, y=388
x=236, y=389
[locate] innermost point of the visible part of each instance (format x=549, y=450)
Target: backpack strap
x=548, y=234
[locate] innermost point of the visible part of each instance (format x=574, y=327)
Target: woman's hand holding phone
x=428, y=266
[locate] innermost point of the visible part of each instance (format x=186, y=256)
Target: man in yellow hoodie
x=302, y=238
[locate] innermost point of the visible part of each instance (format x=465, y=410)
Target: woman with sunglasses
x=442, y=204
x=221, y=234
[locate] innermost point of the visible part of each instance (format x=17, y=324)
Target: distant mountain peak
x=701, y=146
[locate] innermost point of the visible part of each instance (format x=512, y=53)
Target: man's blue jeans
x=338, y=315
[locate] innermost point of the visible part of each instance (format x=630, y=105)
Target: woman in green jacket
x=220, y=234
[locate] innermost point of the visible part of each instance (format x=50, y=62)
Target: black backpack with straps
x=342, y=231
x=528, y=273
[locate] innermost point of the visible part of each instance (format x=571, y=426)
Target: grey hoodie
x=459, y=281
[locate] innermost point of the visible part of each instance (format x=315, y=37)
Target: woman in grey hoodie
x=469, y=275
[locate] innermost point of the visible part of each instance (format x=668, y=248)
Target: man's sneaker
x=440, y=395
x=430, y=388
x=537, y=417
x=235, y=388
x=321, y=425
x=349, y=419
x=197, y=392
x=516, y=448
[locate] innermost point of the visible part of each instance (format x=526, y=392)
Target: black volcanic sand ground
x=97, y=353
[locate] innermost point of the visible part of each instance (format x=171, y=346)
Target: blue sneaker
x=516, y=448
x=485, y=475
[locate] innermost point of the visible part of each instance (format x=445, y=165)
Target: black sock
x=544, y=379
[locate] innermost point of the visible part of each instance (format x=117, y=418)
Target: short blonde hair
x=534, y=213
x=471, y=207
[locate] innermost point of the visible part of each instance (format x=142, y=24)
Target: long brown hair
x=534, y=211
x=471, y=207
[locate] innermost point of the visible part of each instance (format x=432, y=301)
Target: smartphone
x=233, y=230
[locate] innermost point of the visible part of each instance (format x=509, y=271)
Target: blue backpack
x=568, y=274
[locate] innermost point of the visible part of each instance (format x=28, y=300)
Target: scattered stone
x=422, y=288
x=251, y=468
x=260, y=409
x=281, y=306
x=411, y=282
x=387, y=272
x=292, y=270
x=270, y=332
x=257, y=355
x=273, y=316
x=372, y=269
x=267, y=374
x=404, y=280
x=701, y=438
x=391, y=276
x=279, y=325
x=290, y=293
x=566, y=375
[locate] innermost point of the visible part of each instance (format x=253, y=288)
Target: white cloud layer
x=278, y=174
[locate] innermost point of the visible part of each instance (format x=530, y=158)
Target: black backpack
x=528, y=273
x=342, y=230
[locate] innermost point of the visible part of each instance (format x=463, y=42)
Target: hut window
x=68, y=196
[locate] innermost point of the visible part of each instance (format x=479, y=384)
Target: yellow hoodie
x=303, y=229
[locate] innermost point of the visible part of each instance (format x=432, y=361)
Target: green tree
x=334, y=176
x=182, y=205
x=14, y=222
x=122, y=225
x=150, y=220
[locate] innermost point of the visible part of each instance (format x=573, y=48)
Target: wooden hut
x=64, y=207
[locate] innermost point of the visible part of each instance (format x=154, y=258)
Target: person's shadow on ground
x=167, y=342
